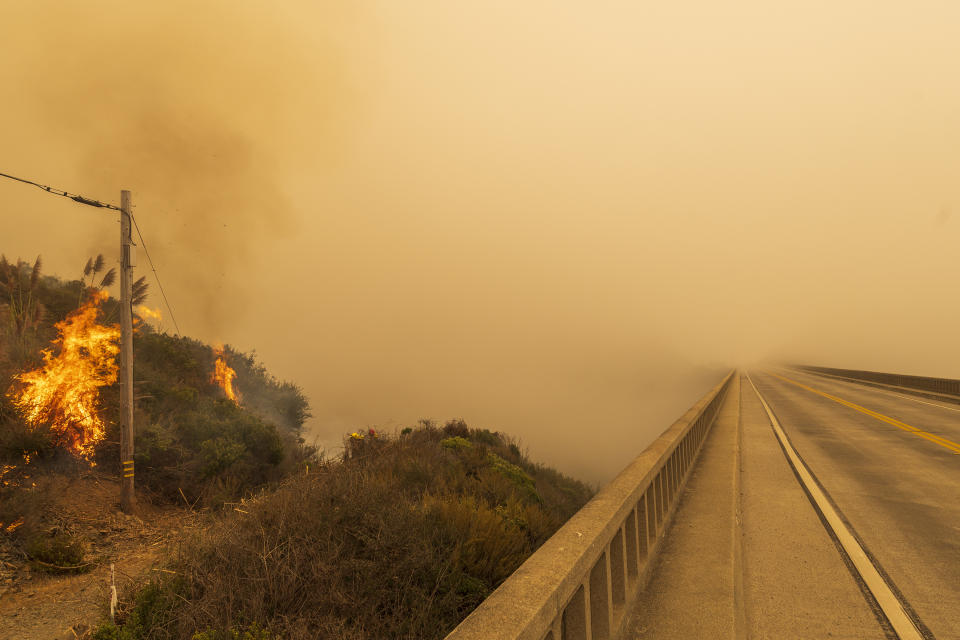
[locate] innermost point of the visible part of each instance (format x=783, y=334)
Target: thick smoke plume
x=557, y=219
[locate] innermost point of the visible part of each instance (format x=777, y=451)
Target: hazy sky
x=557, y=219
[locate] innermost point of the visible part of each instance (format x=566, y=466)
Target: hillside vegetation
x=401, y=536
x=192, y=444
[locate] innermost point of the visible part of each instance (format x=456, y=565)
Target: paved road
x=749, y=556
x=891, y=465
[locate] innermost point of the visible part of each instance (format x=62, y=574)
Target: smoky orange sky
x=561, y=220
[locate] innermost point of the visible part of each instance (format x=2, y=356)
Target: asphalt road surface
x=751, y=554
x=890, y=462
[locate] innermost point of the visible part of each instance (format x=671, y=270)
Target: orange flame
x=224, y=375
x=65, y=391
x=145, y=312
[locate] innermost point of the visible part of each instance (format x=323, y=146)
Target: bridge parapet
x=944, y=386
x=579, y=584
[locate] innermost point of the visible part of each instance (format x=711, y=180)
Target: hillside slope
x=247, y=532
x=402, y=538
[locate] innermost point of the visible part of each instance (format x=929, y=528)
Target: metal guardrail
x=580, y=583
x=922, y=383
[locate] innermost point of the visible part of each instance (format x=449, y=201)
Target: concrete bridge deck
x=750, y=555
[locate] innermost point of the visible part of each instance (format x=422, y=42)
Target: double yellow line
x=943, y=442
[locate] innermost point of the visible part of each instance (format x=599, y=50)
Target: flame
x=224, y=375
x=13, y=526
x=65, y=391
x=145, y=312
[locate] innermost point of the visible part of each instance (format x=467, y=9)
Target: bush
x=190, y=441
x=59, y=553
x=152, y=614
x=198, y=445
x=401, y=539
x=17, y=441
x=515, y=474
x=24, y=505
x=253, y=632
x=456, y=428
x=215, y=451
x=456, y=443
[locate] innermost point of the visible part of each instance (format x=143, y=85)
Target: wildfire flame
x=65, y=391
x=145, y=312
x=224, y=375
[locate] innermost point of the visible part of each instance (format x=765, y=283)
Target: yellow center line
x=940, y=440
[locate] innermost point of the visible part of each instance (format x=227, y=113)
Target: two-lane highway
x=890, y=464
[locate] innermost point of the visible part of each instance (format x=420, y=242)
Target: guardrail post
x=674, y=477
x=661, y=502
x=576, y=615
x=667, y=472
x=644, y=523
x=632, y=545
x=618, y=566
x=601, y=608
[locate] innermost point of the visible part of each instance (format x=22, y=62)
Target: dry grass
x=401, y=539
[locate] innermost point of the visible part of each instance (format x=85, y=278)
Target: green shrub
x=197, y=444
x=456, y=443
x=153, y=613
x=511, y=471
x=60, y=553
x=253, y=632
x=487, y=437
x=212, y=444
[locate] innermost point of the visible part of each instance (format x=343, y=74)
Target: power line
x=155, y=274
x=96, y=203
x=65, y=194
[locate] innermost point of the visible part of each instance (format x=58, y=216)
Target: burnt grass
x=401, y=538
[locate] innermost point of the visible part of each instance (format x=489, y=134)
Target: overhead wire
x=156, y=275
x=64, y=194
x=105, y=205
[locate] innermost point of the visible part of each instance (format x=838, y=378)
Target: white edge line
x=889, y=603
x=932, y=404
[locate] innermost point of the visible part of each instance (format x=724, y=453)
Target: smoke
x=196, y=108
x=557, y=220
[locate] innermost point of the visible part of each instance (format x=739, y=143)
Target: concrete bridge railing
x=580, y=583
x=945, y=386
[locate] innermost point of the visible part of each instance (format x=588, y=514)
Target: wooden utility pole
x=128, y=500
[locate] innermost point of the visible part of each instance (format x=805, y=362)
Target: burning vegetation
x=148, y=314
x=65, y=392
x=224, y=375
x=191, y=447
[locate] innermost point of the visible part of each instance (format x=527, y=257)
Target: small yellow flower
x=356, y=436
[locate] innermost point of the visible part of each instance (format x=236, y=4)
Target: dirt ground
x=39, y=605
